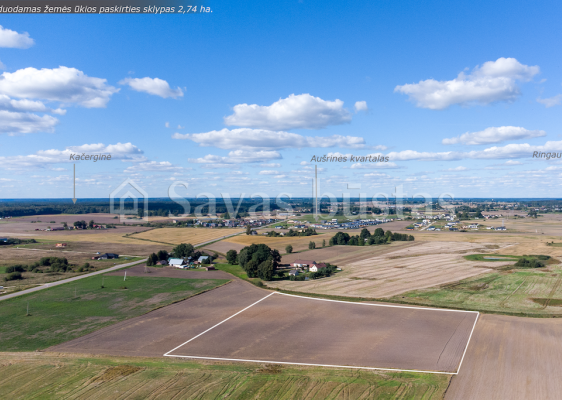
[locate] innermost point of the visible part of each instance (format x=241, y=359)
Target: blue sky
x=458, y=96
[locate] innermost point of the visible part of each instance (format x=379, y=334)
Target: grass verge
x=238, y=272
x=521, y=292
x=75, y=309
x=53, y=376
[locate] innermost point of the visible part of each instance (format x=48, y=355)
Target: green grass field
x=75, y=309
x=526, y=292
x=237, y=271
x=50, y=376
x=491, y=257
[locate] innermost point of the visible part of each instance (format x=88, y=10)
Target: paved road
x=75, y=278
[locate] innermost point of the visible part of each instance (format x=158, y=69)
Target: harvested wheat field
x=138, y=247
x=70, y=376
x=344, y=255
x=409, y=268
x=223, y=246
x=279, y=243
x=511, y=358
x=194, y=236
x=511, y=243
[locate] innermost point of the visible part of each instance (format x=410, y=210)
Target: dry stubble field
x=68, y=376
x=185, y=235
x=411, y=267
x=279, y=243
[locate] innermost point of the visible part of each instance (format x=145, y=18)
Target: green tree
x=289, y=249
x=365, y=234
x=251, y=269
x=266, y=270
x=311, y=245
x=339, y=238
x=251, y=257
x=183, y=250
x=162, y=255
x=152, y=260
x=231, y=257
x=91, y=224
x=323, y=242
x=248, y=230
x=379, y=232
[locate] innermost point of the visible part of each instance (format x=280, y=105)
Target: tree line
x=257, y=260
x=365, y=238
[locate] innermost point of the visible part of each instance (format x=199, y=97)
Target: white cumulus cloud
x=492, y=82
x=15, y=123
x=261, y=139
x=551, y=101
x=510, y=151
x=293, y=112
x=13, y=39
x=45, y=158
x=361, y=106
x=237, y=157
x=155, y=86
x=62, y=84
x=494, y=135
x=153, y=166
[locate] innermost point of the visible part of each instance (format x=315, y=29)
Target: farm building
x=176, y=262
x=162, y=262
x=61, y=245
x=108, y=256
x=302, y=263
x=210, y=268
x=202, y=258
x=316, y=267
x=293, y=272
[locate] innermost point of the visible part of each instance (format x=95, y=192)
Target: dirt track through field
x=511, y=358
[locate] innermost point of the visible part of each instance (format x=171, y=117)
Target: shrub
x=231, y=257
x=13, y=276
x=15, y=268
x=289, y=249
x=533, y=263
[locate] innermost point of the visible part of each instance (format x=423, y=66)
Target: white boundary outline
x=329, y=365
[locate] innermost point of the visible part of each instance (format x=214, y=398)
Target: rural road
x=232, y=234
x=216, y=240
x=75, y=278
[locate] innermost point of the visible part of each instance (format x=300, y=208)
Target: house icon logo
x=133, y=192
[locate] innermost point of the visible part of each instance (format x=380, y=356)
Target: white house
x=176, y=262
x=316, y=267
